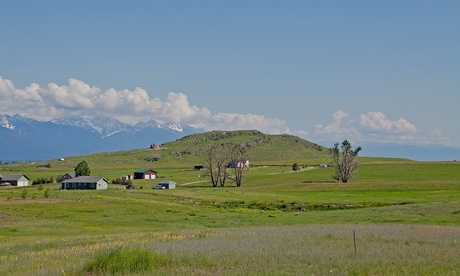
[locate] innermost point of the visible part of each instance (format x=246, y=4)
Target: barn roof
x=144, y=171
x=12, y=177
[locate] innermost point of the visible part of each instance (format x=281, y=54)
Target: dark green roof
x=143, y=170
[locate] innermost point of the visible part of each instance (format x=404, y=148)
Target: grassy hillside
x=264, y=149
x=184, y=153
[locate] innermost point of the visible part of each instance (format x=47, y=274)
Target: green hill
x=264, y=149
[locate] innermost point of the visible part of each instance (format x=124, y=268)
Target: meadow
x=397, y=217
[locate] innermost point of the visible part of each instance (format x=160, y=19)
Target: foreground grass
x=280, y=250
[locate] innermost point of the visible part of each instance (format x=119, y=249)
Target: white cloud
x=235, y=121
x=371, y=126
x=76, y=95
x=377, y=121
x=334, y=127
x=177, y=108
x=77, y=98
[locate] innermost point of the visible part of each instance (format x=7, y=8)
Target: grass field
x=405, y=216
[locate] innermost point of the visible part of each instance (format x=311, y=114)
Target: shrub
x=124, y=261
x=152, y=158
x=43, y=180
x=122, y=181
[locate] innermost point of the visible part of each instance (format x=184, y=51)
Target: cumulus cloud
x=371, y=126
x=334, y=127
x=377, y=121
x=77, y=98
x=75, y=95
x=236, y=121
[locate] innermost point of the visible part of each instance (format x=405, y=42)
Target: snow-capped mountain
x=23, y=138
x=106, y=126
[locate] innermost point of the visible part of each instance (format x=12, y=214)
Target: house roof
x=12, y=177
x=85, y=179
x=71, y=174
x=166, y=182
x=144, y=171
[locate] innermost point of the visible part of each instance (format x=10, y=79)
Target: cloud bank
x=77, y=98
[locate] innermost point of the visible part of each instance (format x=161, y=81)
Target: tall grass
x=124, y=261
x=320, y=250
x=328, y=249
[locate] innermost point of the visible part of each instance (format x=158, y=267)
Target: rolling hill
x=264, y=149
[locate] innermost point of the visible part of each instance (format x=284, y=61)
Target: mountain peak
x=28, y=139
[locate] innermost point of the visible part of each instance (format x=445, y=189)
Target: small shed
x=85, y=183
x=166, y=184
x=145, y=174
x=17, y=180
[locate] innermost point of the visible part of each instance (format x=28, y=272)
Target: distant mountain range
x=25, y=139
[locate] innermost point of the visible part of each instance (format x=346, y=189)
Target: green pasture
x=405, y=216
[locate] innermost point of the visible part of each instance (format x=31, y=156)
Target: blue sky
x=382, y=71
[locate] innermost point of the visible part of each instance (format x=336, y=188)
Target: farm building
x=145, y=174
x=238, y=164
x=17, y=180
x=66, y=176
x=85, y=183
x=166, y=184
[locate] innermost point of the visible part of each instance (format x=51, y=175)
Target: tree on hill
x=343, y=161
x=82, y=169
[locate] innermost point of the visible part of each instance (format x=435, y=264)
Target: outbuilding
x=85, y=183
x=17, y=180
x=166, y=184
x=145, y=174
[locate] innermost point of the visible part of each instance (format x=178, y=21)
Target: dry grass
x=275, y=250
x=321, y=250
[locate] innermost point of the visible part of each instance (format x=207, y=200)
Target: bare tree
x=215, y=158
x=239, y=163
x=343, y=161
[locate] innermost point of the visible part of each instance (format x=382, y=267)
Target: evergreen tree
x=82, y=169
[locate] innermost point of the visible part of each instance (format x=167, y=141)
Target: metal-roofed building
x=18, y=180
x=145, y=174
x=166, y=184
x=85, y=183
